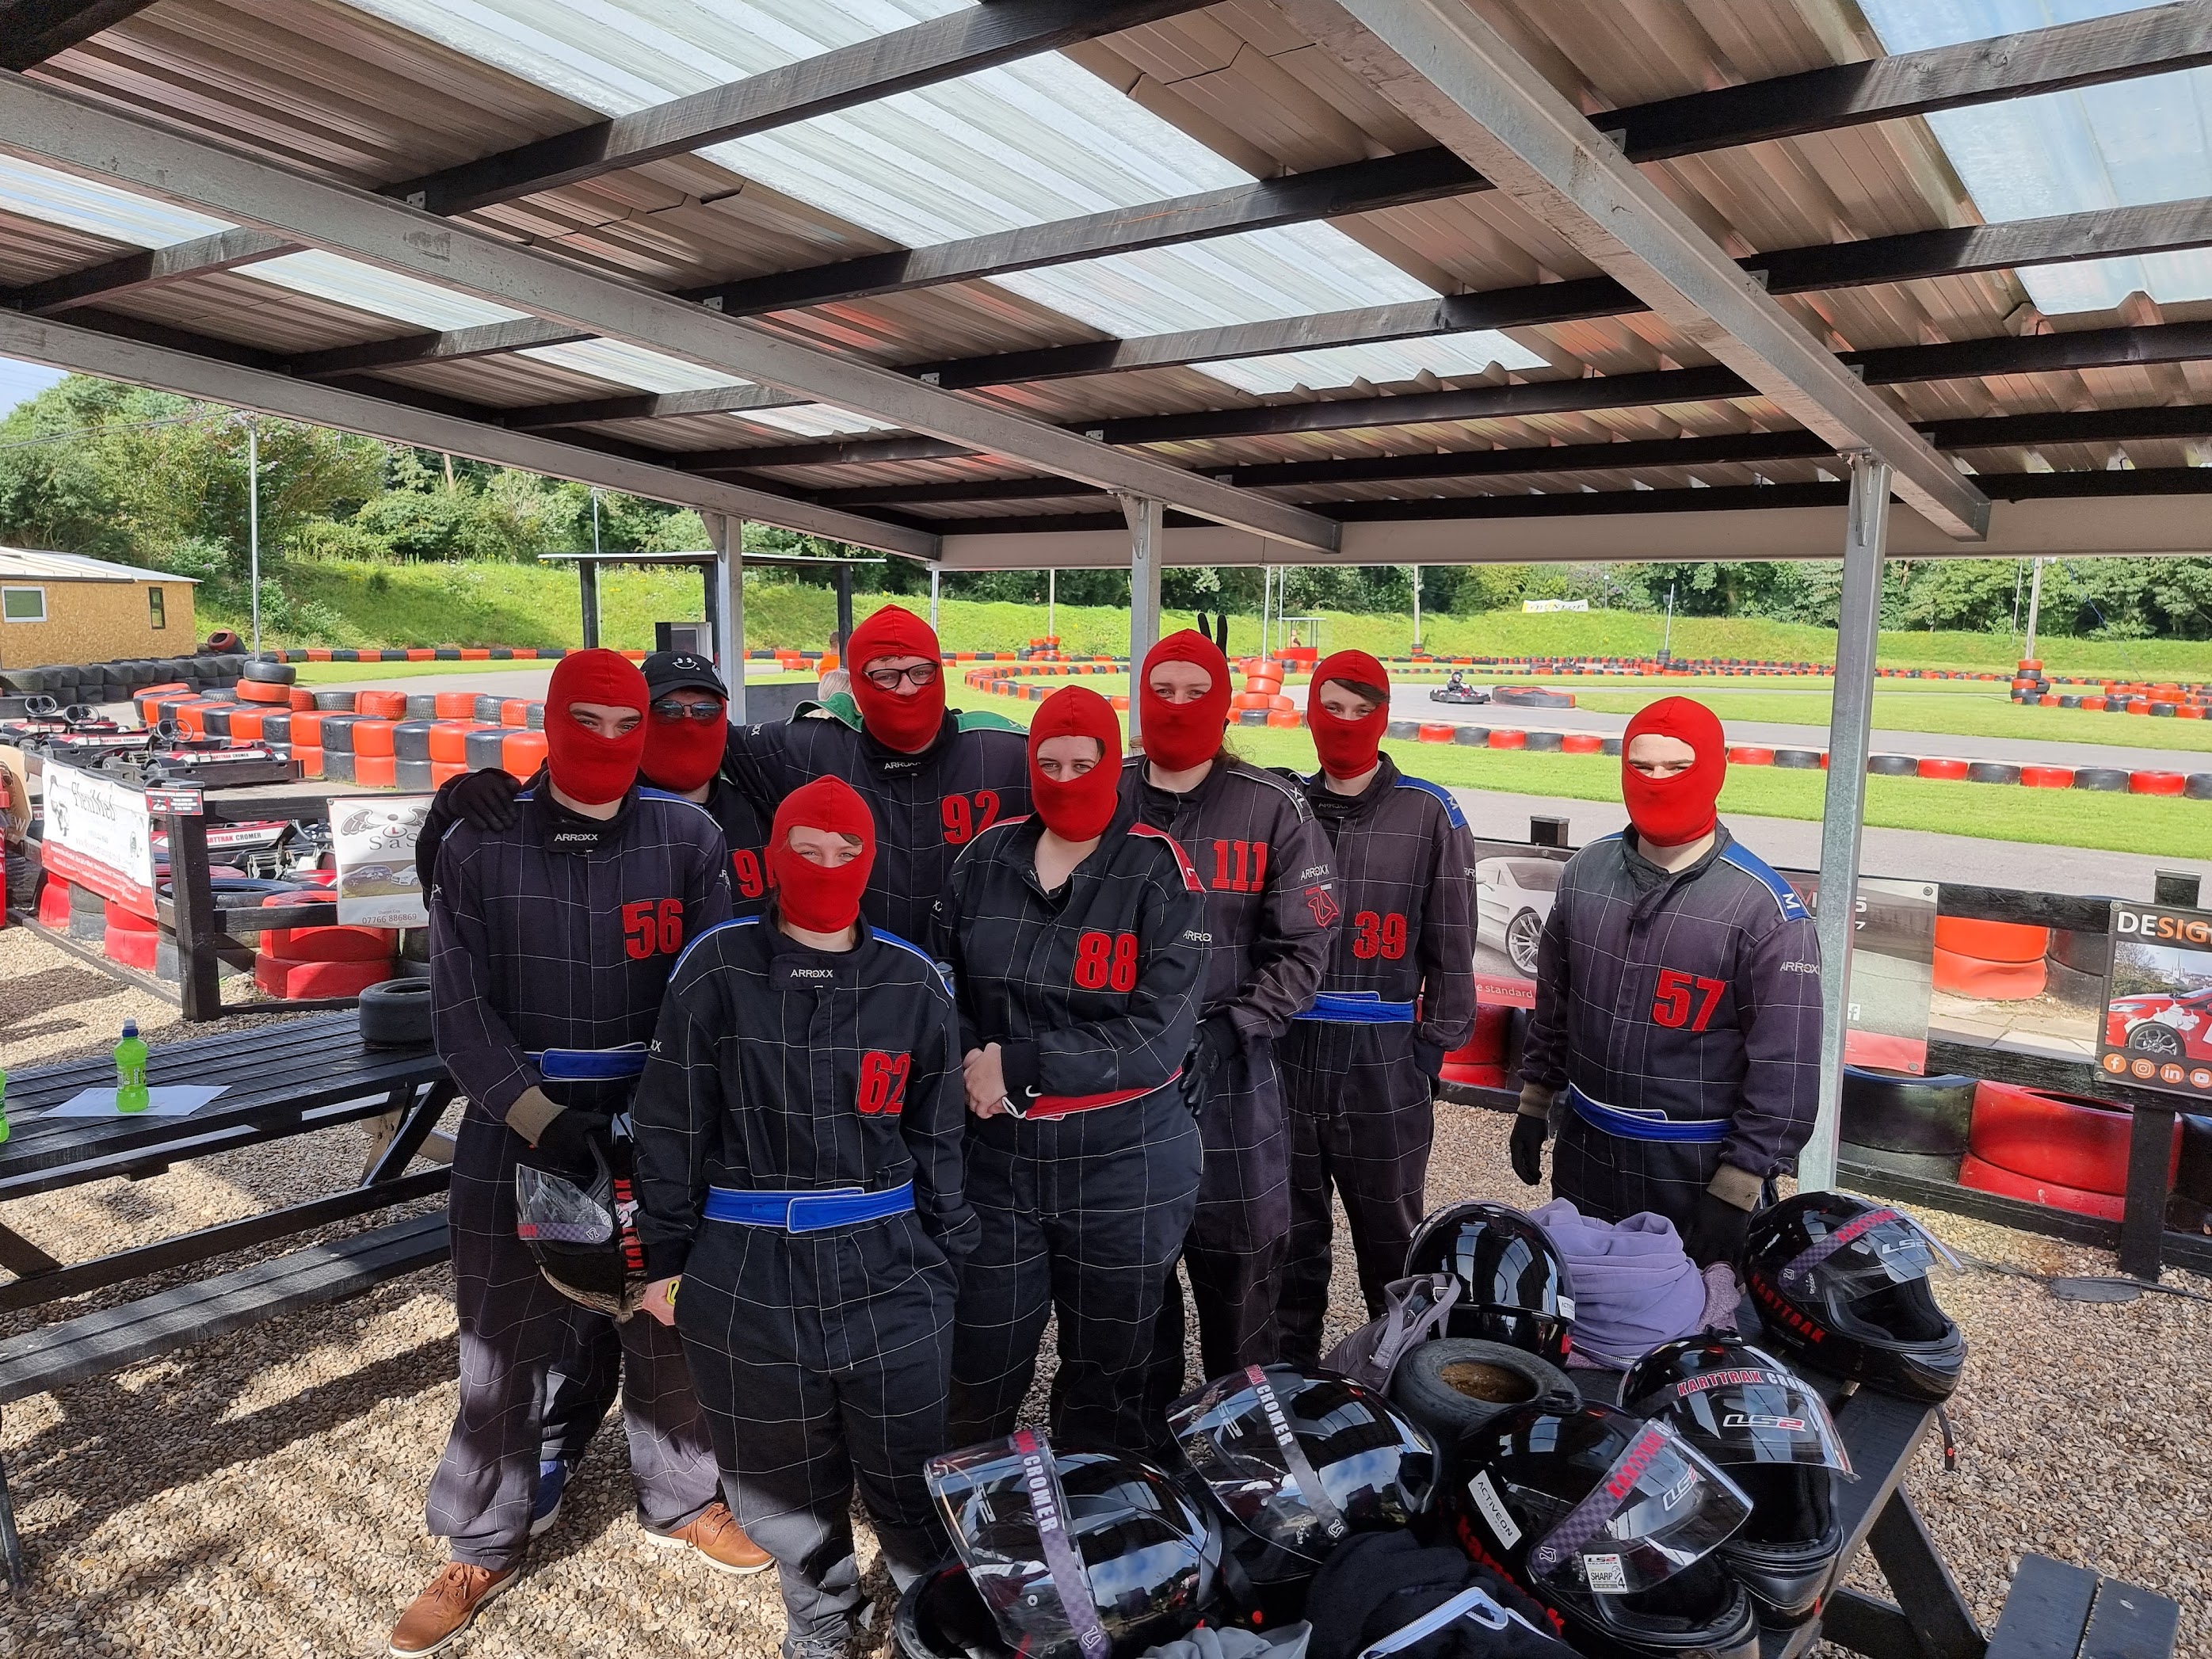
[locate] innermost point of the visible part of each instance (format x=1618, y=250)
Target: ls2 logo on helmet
x=1762, y=1420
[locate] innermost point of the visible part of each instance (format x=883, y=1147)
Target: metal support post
x=1147, y=523
x=935, y=576
x=588, y=590
x=1051, y=603
x=1417, y=608
x=1858, y=623
x=728, y=536
x=253, y=524
x=200, y=986
x=844, y=609
x=2034, y=604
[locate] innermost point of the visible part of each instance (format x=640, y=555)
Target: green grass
x=2159, y=826
x=537, y=604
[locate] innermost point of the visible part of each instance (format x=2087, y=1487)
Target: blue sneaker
x=545, y=1508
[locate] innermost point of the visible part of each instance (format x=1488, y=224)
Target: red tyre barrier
x=1509, y=739
x=2156, y=783
x=132, y=947
x=372, y=736
x=2047, y=777
x=263, y=691
x=1438, y=732
x=449, y=741
x=522, y=753
x=456, y=705
x=2048, y=1137
x=515, y=712
x=297, y=980
x=1939, y=767
x=1986, y=1177
x=381, y=705
x=1485, y=1045
x=1581, y=742
x=376, y=771
x=332, y=943
x=1476, y=1077
x=1994, y=941
x=1986, y=980
x=1747, y=755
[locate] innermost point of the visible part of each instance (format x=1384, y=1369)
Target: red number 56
x=652, y=927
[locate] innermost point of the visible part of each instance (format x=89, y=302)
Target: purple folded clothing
x=1634, y=1286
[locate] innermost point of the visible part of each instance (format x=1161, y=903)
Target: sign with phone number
x=2158, y=999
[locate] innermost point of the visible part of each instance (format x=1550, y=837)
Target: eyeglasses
x=890, y=679
x=669, y=710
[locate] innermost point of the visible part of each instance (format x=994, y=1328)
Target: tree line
x=148, y=478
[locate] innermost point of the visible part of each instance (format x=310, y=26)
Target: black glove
x=1210, y=1050
x=486, y=798
x=1716, y=1231
x=567, y=1140
x=1528, y=1134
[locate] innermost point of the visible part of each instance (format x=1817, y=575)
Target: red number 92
x=963, y=823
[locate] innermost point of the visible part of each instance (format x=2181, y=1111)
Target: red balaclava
x=1077, y=809
x=1669, y=812
x=1348, y=749
x=1178, y=736
x=680, y=755
x=586, y=766
x=907, y=723
x=812, y=895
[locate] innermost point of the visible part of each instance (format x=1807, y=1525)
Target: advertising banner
x=2158, y=999
x=374, y=838
x=99, y=834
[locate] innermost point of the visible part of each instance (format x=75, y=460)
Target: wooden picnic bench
x=278, y=1081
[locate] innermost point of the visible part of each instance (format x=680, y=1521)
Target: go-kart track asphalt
x=1411, y=702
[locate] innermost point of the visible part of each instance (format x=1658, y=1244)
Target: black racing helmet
x=1514, y=1286
x=582, y=1229
x=1772, y=1434
x=1614, y=1524
x=1070, y=1555
x=1298, y=1461
x=1842, y=1285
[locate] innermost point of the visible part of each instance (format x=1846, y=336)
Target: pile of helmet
x=1674, y=1526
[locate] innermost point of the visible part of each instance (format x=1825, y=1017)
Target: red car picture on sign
x=2158, y=1001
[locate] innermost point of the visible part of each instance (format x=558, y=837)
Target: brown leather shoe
x=447, y=1606
x=717, y=1535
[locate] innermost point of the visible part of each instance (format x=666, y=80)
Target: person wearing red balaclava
x=551, y=943
x=799, y=1130
x=1360, y=1066
x=1271, y=909
x=1075, y=939
x=1678, y=1006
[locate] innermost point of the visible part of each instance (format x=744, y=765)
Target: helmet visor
x=1753, y=1415
x=1660, y=1507
x=1009, y=1518
x=554, y=1210
x=1236, y=1435
x=1876, y=1251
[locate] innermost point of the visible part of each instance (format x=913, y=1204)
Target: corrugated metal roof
x=28, y=563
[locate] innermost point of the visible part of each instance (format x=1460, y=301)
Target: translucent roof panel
x=2120, y=145
x=1032, y=141
x=629, y=365
x=815, y=421
x=366, y=288
x=32, y=191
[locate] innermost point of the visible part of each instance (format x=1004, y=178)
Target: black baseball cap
x=681, y=670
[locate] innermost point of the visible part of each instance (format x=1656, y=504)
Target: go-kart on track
x=1413, y=702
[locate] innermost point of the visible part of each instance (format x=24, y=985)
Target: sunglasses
x=889, y=679
x=669, y=710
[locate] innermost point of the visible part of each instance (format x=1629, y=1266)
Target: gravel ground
x=264, y=1495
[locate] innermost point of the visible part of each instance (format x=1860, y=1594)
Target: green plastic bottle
x=131, y=1094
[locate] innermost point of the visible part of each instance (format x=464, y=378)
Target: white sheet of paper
x=163, y=1100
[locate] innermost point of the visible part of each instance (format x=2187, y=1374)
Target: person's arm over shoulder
x=674, y=1113
x=1777, y=987
x=1298, y=929
x=1543, y=1044
x=1142, y=1047
x=1446, y=950
x=760, y=761
x=934, y=1124
x=709, y=903
x=473, y=1039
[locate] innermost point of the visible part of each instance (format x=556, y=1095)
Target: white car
x=1512, y=899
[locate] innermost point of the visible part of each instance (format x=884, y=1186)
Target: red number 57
x=1672, y=1006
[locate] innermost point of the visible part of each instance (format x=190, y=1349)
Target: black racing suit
x=928, y=806
x=557, y=933
x=1271, y=912
x=1358, y=1065
x=1085, y=1200
x=1691, y=1000
x=586, y=1370
x=820, y=1358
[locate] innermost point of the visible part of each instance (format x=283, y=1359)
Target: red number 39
x=652, y=927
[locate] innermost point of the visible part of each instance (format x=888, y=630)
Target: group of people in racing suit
x=926, y=1031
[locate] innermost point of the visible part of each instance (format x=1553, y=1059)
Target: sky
x=21, y=380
